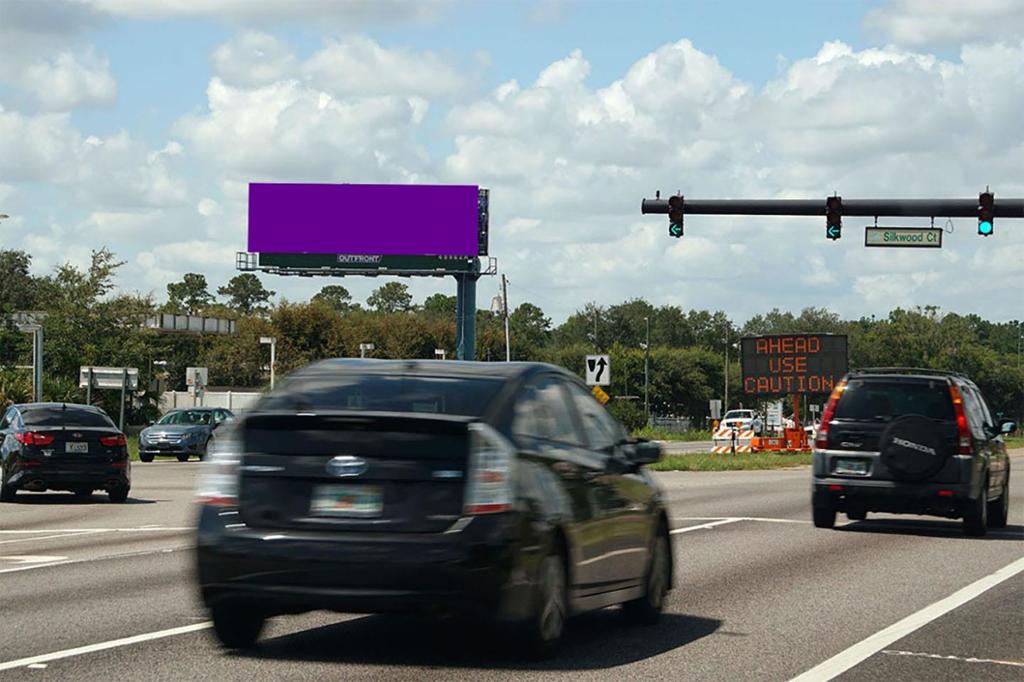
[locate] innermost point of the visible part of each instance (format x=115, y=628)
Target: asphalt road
x=680, y=447
x=761, y=595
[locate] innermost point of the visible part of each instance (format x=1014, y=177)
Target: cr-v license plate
x=361, y=501
x=851, y=466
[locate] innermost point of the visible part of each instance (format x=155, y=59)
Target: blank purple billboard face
x=372, y=220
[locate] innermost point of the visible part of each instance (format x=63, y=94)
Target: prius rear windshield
x=377, y=393
x=885, y=400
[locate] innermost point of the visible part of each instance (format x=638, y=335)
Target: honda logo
x=347, y=465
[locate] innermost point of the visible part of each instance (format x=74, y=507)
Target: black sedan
x=182, y=433
x=60, y=446
x=500, y=490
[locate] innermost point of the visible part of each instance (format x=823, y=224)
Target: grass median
x=741, y=461
x=664, y=434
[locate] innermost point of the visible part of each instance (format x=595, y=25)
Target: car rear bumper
x=936, y=499
x=466, y=571
x=55, y=478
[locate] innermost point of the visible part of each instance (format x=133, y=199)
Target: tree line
x=88, y=321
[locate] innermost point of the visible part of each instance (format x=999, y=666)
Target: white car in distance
x=741, y=419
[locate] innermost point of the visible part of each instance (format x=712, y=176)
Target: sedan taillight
x=489, y=484
x=113, y=441
x=32, y=438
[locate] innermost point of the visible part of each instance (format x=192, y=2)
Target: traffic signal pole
x=920, y=208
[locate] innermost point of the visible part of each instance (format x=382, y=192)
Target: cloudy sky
x=137, y=125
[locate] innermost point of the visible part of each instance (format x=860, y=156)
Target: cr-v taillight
x=489, y=480
x=218, y=482
x=964, y=441
x=821, y=437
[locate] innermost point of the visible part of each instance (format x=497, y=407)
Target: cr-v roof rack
x=908, y=370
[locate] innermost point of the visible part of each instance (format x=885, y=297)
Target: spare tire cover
x=912, y=448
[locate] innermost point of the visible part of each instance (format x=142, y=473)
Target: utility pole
x=596, y=348
x=504, y=312
x=647, y=367
x=726, y=403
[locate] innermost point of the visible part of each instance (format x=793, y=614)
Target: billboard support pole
x=465, y=314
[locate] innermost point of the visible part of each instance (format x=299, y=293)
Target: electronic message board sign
x=367, y=220
x=793, y=363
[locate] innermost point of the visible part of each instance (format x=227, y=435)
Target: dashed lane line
x=35, y=661
x=866, y=648
x=106, y=557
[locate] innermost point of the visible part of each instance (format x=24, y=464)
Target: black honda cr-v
x=502, y=490
x=912, y=441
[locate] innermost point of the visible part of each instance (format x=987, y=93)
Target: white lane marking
x=51, y=537
x=32, y=558
x=36, y=666
x=704, y=526
x=740, y=518
x=941, y=657
x=140, y=529
x=102, y=646
x=127, y=555
x=866, y=648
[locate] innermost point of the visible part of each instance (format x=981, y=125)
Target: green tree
x=335, y=297
x=190, y=295
x=440, y=304
x=393, y=297
x=18, y=288
x=530, y=331
x=246, y=294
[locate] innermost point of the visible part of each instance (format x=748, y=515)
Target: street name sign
x=904, y=237
x=598, y=370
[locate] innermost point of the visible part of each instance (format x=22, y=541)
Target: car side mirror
x=1008, y=427
x=645, y=452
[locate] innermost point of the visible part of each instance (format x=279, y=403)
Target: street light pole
x=647, y=367
x=272, y=342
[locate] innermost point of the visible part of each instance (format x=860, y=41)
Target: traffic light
x=986, y=214
x=834, y=218
x=675, y=216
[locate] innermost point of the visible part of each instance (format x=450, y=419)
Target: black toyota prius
x=62, y=446
x=497, y=490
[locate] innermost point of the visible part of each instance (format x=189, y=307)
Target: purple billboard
x=373, y=220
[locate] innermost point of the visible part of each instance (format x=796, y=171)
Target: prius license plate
x=76, y=447
x=356, y=501
x=858, y=467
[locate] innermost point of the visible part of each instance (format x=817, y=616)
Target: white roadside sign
x=599, y=370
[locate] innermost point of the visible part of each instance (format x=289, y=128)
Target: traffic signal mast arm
x=921, y=208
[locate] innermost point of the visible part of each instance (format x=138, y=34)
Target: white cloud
x=930, y=22
x=253, y=59
x=69, y=81
x=349, y=12
x=360, y=66
x=289, y=130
